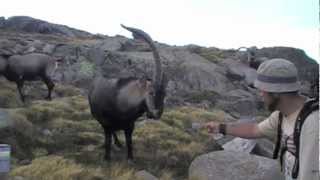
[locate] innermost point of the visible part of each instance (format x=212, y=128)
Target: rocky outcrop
x=31, y=25
x=308, y=68
x=234, y=166
x=237, y=71
x=261, y=147
x=197, y=75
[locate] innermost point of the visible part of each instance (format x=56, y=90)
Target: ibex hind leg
x=20, y=89
x=107, y=144
x=50, y=86
x=128, y=134
x=116, y=140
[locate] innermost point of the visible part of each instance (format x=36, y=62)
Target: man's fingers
x=212, y=127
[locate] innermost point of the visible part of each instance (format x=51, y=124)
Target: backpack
x=309, y=106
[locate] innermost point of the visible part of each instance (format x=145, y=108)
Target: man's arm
x=243, y=130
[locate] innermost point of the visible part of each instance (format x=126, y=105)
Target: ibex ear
x=145, y=83
x=58, y=59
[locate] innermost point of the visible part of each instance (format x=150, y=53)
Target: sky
x=223, y=24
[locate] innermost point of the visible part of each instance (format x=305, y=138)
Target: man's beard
x=273, y=105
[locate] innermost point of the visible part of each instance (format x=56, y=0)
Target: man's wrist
x=223, y=128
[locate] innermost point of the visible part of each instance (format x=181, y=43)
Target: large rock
x=28, y=24
x=237, y=70
x=195, y=73
x=231, y=165
x=144, y=175
x=308, y=68
x=240, y=145
x=264, y=148
x=239, y=102
x=260, y=147
x=193, y=77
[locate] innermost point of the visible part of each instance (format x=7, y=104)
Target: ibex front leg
x=128, y=134
x=50, y=86
x=107, y=144
x=20, y=89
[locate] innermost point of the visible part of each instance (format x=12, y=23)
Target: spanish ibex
x=251, y=56
x=117, y=103
x=29, y=67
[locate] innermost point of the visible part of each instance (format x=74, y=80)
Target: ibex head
x=156, y=88
x=154, y=99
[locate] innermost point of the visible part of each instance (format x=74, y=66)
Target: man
x=278, y=86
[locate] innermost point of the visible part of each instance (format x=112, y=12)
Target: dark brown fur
x=29, y=67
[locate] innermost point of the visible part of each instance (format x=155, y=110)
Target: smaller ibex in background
x=29, y=67
x=117, y=103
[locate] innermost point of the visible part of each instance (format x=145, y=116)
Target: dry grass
x=75, y=108
x=9, y=97
x=212, y=54
x=56, y=167
x=164, y=148
x=66, y=90
x=169, y=143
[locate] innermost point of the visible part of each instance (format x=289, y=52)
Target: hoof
x=116, y=148
x=130, y=162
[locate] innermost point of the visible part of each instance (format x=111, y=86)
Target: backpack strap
x=308, y=108
x=279, y=136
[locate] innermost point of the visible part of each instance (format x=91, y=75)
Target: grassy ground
x=59, y=139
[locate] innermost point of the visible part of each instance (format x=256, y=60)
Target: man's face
x=270, y=101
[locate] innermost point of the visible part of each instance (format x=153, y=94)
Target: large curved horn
x=139, y=34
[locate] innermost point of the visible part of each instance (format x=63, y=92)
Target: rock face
x=28, y=24
x=198, y=75
x=260, y=147
x=234, y=166
x=240, y=144
x=239, y=71
x=307, y=67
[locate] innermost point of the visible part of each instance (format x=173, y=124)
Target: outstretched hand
x=213, y=127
